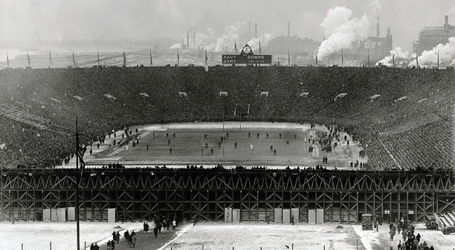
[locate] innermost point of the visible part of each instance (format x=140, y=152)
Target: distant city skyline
x=57, y=20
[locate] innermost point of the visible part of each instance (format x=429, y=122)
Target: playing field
x=230, y=144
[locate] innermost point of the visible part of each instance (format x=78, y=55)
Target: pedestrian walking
x=146, y=227
x=117, y=236
x=155, y=232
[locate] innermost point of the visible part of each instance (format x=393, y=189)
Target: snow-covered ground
x=58, y=235
x=217, y=235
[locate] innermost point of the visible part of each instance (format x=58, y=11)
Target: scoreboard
x=247, y=59
x=246, y=56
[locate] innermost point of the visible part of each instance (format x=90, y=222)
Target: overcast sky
x=147, y=19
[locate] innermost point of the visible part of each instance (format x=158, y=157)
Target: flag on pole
x=342, y=58
x=260, y=49
x=74, y=61
x=178, y=57
x=235, y=46
x=28, y=60
x=50, y=59
x=438, y=59
x=151, y=59
x=289, y=58
x=368, y=58
x=206, y=61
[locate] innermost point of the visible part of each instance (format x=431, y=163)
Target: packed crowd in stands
x=407, y=127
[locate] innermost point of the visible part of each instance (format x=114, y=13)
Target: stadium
x=401, y=119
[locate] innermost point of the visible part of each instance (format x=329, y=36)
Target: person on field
x=117, y=236
x=126, y=235
x=155, y=232
x=146, y=227
x=174, y=224
x=392, y=234
x=133, y=241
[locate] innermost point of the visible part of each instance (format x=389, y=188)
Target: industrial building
x=429, y=37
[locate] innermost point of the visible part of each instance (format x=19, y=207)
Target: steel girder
x=203, y=194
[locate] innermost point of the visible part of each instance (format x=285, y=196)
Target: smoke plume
x=204, y=37
x=398, y=55
x=176, y=46
x=446, y=54
x=227, y=39
x=341, y=30
x=264, y=39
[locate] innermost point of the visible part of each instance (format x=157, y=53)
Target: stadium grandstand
x=403, y=118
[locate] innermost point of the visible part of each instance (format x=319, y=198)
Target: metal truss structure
x=203, y=194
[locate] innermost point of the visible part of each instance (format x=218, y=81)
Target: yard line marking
x=187, y=227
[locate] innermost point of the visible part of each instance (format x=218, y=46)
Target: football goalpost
x=241, y=109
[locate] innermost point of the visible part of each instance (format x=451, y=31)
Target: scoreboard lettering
x=247, y=59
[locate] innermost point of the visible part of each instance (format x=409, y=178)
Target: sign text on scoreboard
x=246, y=57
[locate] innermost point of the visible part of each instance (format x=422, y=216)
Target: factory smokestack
x=289, y=29
x=194, y=38
x=377, y=28
x=255, y=30
x=446, y=25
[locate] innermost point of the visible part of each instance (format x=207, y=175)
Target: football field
x=252, y=144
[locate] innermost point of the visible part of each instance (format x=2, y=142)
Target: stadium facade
x=205, y=194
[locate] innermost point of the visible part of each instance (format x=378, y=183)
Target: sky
x=57, y=20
